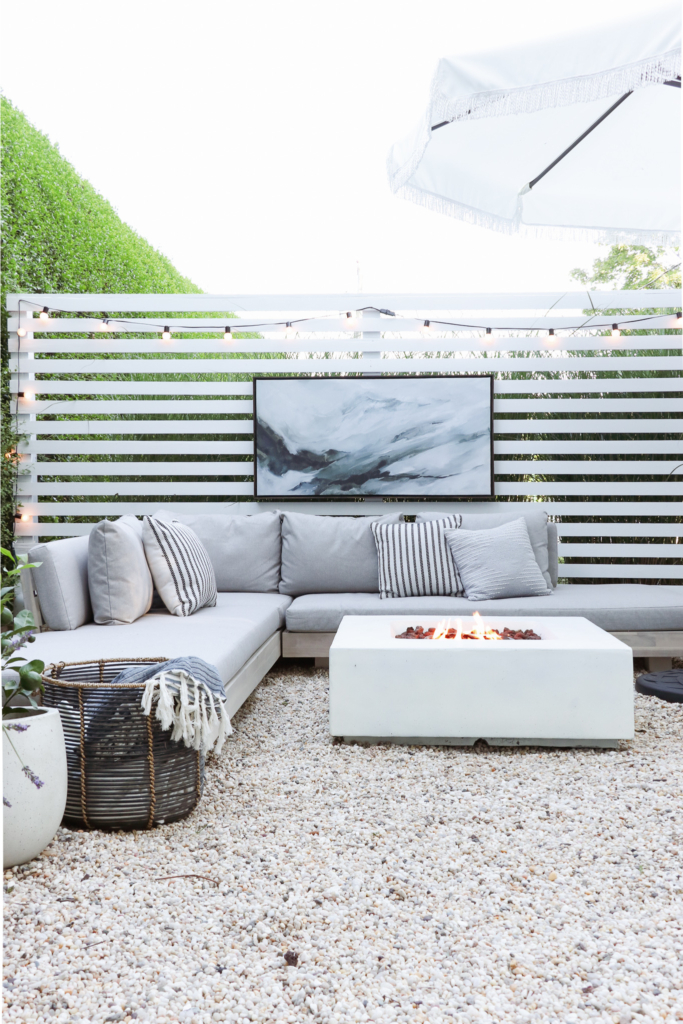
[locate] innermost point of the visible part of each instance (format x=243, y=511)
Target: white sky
x=247, y=139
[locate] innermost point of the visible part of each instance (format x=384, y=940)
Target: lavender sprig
x=17, y=727
x=5, y=802
x=17, y=641
x=32, y=776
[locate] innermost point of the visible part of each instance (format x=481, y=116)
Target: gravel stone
x=406, y=884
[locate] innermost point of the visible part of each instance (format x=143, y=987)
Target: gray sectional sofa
x=285, y=581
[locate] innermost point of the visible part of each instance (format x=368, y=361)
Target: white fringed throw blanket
x=189, y=697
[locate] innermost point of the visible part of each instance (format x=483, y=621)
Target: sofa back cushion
x=329, y=554
x=61, y=582
x=244, y=550
x=536, y=522
x=119, y=579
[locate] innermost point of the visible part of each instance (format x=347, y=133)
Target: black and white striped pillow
x=414, y=559
x=180, y=566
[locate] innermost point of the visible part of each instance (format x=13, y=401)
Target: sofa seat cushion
x=612, y=606
x=226, y=635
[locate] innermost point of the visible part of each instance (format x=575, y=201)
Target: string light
x=426, y=327
x=21, y=331
x=29, y=396
x=552, y=339
x=227, y=336
x=104, y=326
x=349, y=321
x=616, y=333
x=25, y=518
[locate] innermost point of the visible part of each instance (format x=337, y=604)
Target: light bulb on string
x=426, y=328
x=289, y=331
x=44, y=314
x=349, y=322
x=616, y=332
x=552, y=338
x=489, y=336
x=21, y=331
x=104, y=325
x=227, y=336
x=166, y=334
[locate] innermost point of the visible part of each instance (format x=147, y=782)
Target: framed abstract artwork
x=349, y=437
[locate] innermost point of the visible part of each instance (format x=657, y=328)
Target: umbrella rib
x=580, y=139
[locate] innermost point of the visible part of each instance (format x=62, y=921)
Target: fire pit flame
x=479, y=631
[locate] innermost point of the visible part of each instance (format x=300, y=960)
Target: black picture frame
x=355, y=497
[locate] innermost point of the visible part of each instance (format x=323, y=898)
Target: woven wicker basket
x=124, y=771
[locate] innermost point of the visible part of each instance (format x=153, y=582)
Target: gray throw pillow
x=118, y=575
x=497, y=563
x=61, y=582
x=329, y=554
x=535, y=519
x=244, y=550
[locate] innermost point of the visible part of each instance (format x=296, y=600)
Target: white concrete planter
x=35, y=813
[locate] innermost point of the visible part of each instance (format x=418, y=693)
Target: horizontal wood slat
x=621, y=551
x=565, y=508
x=626, y=572
x=577, y=447
x=185, y=388
x=389, y=341
x=551, y=362
x=226, y=426
x=348, y=301
x=594, y=467
x=231, y=407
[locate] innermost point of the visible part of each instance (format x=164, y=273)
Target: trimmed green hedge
x=60, y=235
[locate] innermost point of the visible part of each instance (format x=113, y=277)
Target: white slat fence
x=580, y=410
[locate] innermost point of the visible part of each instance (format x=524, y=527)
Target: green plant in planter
x=20, y=678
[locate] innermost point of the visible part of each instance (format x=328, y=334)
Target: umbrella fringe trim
x=504, y=225
x=528, y=100
x=562, y=93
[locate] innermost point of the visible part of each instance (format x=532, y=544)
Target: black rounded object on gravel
x=124, y=771
x=665, y=685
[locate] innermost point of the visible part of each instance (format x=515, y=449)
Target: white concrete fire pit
x=573, y=687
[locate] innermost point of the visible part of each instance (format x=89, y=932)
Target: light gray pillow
x=118, y=575
x=497, y=563
x=244, y=550
x=329, y=554
x=535, y=519
x=61, y=582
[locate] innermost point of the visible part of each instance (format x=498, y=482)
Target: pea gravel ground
x=408, y=884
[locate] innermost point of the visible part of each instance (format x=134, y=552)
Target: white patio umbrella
x=577, y=136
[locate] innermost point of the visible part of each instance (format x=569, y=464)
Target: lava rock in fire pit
x=420, y=633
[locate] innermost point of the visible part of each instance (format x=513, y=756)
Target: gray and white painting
x=413, y=436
